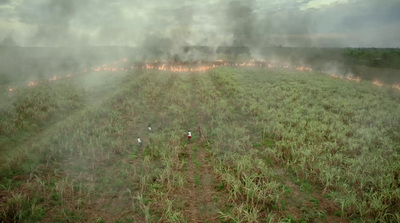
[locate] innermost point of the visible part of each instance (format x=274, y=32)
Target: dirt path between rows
x=303, y=200
x=200, y=191
x=200, y=194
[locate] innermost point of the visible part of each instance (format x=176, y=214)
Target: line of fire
x=177, y=64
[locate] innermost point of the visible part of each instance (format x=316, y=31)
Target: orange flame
x=303, y=68
x=156, y=65
x=32, y=83
x=396, y=86
x=54, y=78
x=356, y=79
x=335, y=76
x=377, y=83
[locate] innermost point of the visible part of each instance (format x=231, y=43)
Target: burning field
x=199, y=111
x=270, y=142
x=125, y=66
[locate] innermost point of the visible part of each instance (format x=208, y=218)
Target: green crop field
x=268, y=145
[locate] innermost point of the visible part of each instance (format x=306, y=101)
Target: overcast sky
x=353, y=23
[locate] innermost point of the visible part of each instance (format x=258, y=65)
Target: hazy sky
x=355, y=23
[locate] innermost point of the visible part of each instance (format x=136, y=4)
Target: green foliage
x=266, y=138
x=31, y=108
x=374, y=57
x=220, y=186
x=19, y=208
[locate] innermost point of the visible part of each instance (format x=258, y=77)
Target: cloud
x=365, y=21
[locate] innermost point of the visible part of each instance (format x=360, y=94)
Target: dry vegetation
x=267, y=146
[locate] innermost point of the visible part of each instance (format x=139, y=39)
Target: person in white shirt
x=139, y=142
x=189, y=135
x=149, y=128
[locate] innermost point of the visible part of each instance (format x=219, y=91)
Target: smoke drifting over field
x=80, y=80
x=150, y=30
x=211, y=22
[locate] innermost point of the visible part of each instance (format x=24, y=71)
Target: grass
x=275, y=145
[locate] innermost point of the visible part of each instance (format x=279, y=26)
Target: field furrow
x=268, y=145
